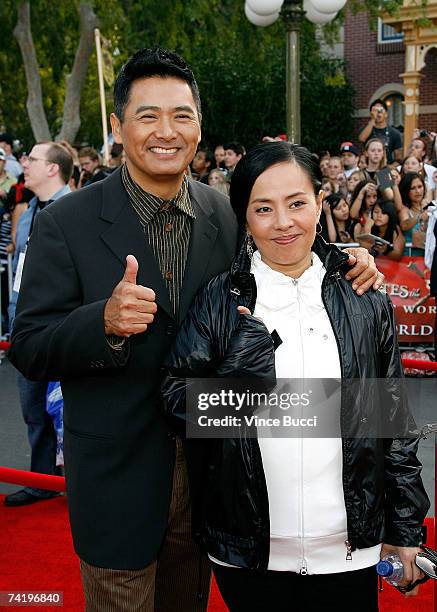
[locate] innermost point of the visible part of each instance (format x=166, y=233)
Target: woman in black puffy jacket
x=297, y=523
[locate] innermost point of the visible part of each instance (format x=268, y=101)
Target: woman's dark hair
x=357, y=190
x=259, y=159
x=388, y=209
x=405, y=186
x=155, y=62
x=334, y=200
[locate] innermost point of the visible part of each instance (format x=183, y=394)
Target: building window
x=395, y=109
x=387, y=34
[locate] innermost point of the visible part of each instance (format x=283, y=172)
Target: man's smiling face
x=160, y=130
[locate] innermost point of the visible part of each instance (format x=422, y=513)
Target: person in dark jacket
x=297, y=519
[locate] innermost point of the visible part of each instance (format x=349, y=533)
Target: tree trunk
x=76, y=79
x=34, y=103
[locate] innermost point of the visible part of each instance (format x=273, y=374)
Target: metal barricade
x=346, y=245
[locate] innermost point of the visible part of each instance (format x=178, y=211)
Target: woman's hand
x=243, y=310
x=411, y=571
x=369, y=188
x=326, y=208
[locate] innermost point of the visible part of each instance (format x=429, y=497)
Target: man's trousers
x=179, y=579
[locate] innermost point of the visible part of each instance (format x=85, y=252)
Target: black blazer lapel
x=125, y=236
x=203, y=236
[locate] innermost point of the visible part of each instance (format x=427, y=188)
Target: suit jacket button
x=170, y=329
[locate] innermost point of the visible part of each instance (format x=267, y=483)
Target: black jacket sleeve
x=216, y=341
x=192, y=356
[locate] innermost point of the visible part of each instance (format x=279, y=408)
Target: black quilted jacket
x=384, y=495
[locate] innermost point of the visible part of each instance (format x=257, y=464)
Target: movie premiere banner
x=407, y=283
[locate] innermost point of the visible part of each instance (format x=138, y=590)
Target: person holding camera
x=378, y=127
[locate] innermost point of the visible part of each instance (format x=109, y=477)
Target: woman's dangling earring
x=249, y=245
x=319, y=231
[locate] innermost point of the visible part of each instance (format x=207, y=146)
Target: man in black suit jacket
x=110, y=273
x=102, y=323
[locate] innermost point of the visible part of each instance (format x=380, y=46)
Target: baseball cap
x=349, y=147
x=378, y=102
x=2, y=155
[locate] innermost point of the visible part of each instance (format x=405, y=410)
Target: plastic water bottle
x=391, y=569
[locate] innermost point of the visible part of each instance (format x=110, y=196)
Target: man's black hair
x=146, y=63
x=378, y=101
x=259, y=159
x=236, y=147
x=7, y=138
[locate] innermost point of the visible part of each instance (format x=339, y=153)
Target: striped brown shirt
x=167, y=226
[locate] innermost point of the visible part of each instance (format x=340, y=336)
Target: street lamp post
x=265, y=12
x=292, y=14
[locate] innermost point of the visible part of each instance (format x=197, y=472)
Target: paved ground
x=14, y=450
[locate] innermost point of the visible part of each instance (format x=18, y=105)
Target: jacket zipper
x=336, y=275
x=303, y=562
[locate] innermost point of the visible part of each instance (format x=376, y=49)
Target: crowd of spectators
x=383, y=206
x=373, y=195
x=380, y=204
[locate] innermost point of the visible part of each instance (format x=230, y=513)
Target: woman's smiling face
x=282, y=215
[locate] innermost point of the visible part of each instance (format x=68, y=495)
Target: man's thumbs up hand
x=131, y=307
x=131, y=271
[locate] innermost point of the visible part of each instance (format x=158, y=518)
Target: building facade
x=375, y=61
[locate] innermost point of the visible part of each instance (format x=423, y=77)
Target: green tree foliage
x=240, y=68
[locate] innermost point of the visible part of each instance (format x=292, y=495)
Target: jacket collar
x=243, y=282
x=204, y=232
x=61, y=192
x=330, y=255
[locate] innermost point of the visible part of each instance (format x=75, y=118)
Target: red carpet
x=36, y=554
